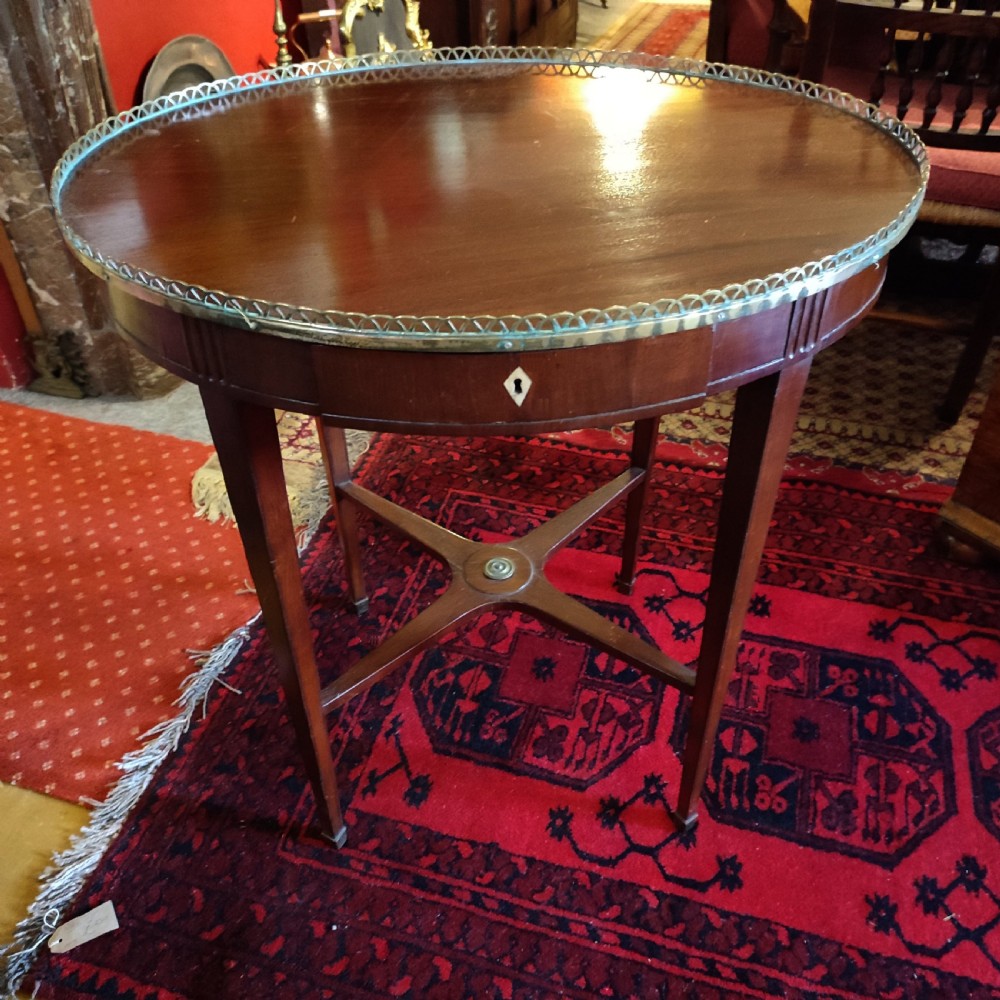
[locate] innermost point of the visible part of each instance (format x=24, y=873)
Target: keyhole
x=518, y=385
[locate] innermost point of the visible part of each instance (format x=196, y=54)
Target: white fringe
x=62, y=881
x=305, y=482
x=211, y=501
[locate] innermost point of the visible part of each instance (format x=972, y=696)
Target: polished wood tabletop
x=501, y=192
x=492, y=241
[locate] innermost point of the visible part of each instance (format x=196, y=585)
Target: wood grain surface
x=511, y=195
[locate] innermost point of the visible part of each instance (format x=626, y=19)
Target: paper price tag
x=84, y=928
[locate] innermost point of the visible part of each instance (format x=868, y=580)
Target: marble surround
x=52, y=89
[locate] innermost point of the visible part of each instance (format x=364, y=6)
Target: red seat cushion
x=958, y=176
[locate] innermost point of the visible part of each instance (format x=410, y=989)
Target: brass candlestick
x=281, y=35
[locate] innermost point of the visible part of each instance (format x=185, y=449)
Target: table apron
x=462, y=392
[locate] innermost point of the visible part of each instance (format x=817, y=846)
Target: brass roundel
x=498, y=568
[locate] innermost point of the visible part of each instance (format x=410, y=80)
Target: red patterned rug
x=660, y=30
x=110, y=585
x=507, y=791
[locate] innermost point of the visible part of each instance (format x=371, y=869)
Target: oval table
x=492, y=241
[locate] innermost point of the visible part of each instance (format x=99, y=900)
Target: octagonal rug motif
x=514, y=694
x=831, y=750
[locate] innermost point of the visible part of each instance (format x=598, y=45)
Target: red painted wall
x=132, y=33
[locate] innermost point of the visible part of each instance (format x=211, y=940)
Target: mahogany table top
x=460, y=204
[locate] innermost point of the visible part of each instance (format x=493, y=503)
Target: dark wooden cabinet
x=549, y=23
x=971, y=518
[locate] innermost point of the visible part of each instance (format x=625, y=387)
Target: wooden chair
x=937, y=67
x=364, y=27
x=764, y=34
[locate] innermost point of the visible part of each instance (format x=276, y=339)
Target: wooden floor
x=595, y=21
x=32, y=828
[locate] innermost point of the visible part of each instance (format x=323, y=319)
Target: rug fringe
x=63, y=879
x=211, y=501
x=305, y=480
